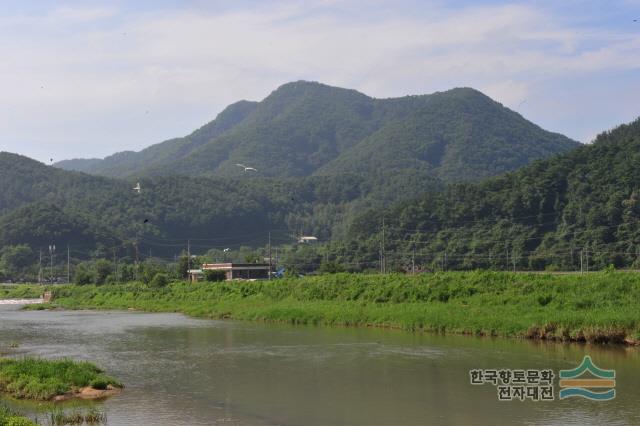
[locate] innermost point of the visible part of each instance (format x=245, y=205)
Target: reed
x=597, y=307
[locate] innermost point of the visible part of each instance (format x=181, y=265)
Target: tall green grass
x=22, y=291
x=598, y=307
x=9, y=418
x=40, y=379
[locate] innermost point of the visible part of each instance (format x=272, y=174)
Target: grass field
x=598, y=307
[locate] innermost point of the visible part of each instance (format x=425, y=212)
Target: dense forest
x=581, y=208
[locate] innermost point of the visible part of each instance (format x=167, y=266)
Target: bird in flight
x=137, y=188
x=246, y=168
x=225, y=250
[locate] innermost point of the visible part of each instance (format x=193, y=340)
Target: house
x=307, y=240
x=195, y=275
x=233, y=271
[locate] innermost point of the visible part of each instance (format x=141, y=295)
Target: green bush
x=84, y=275
x=9, y=418
x=159, y=280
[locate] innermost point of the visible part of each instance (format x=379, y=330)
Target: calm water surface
x=182, y=371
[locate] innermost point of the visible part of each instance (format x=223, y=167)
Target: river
x=183, y=371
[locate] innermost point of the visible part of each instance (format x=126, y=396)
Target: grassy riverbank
x=39, y=379
x=598, y=307
x=21, y=291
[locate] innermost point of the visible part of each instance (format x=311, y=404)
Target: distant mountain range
x=310, y=129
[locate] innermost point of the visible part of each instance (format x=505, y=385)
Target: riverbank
x=598, y=307
x=54, y=380
x=20, y=291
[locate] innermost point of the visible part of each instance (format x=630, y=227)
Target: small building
x=307, y=240
x=243, y=271
x=195, y=275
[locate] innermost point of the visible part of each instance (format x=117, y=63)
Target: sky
x=88, y=79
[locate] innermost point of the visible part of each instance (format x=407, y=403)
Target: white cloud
x=65, y=82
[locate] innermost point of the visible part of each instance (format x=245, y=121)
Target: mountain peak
x=306, y=127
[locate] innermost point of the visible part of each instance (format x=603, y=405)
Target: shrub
x=83, y=275
x=9, y=418
x=160, y=280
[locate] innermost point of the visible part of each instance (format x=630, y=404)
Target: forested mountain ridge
x=129, y=162
x=306, y=128
x=40, y=204
x=457, y=135
x=579, y=207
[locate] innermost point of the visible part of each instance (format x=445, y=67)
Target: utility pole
x=40, y=269
x=188, y=256
x=135, y=245
x=115, y=265
x=52, y=250
x=384, y=254
x=587, y=257
x=68, y=265
x=270, y=256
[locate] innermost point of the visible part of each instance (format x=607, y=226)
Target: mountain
x=324, y=156
x=162, y=154
x=579, y=207
x=305, y=129
x=40, y=204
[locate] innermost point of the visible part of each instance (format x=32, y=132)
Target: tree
x=159, y=280
x=13, y=259
x=102, y=269
x=84, y=274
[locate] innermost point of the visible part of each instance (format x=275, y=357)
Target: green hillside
x=541, y=216
x=305, y=128
x=456, y=135
x=159, y=155
x=324, y=157
x=41, y=204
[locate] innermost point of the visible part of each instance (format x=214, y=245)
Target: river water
x=183, y=371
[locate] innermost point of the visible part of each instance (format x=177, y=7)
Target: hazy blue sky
x=88, y=79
